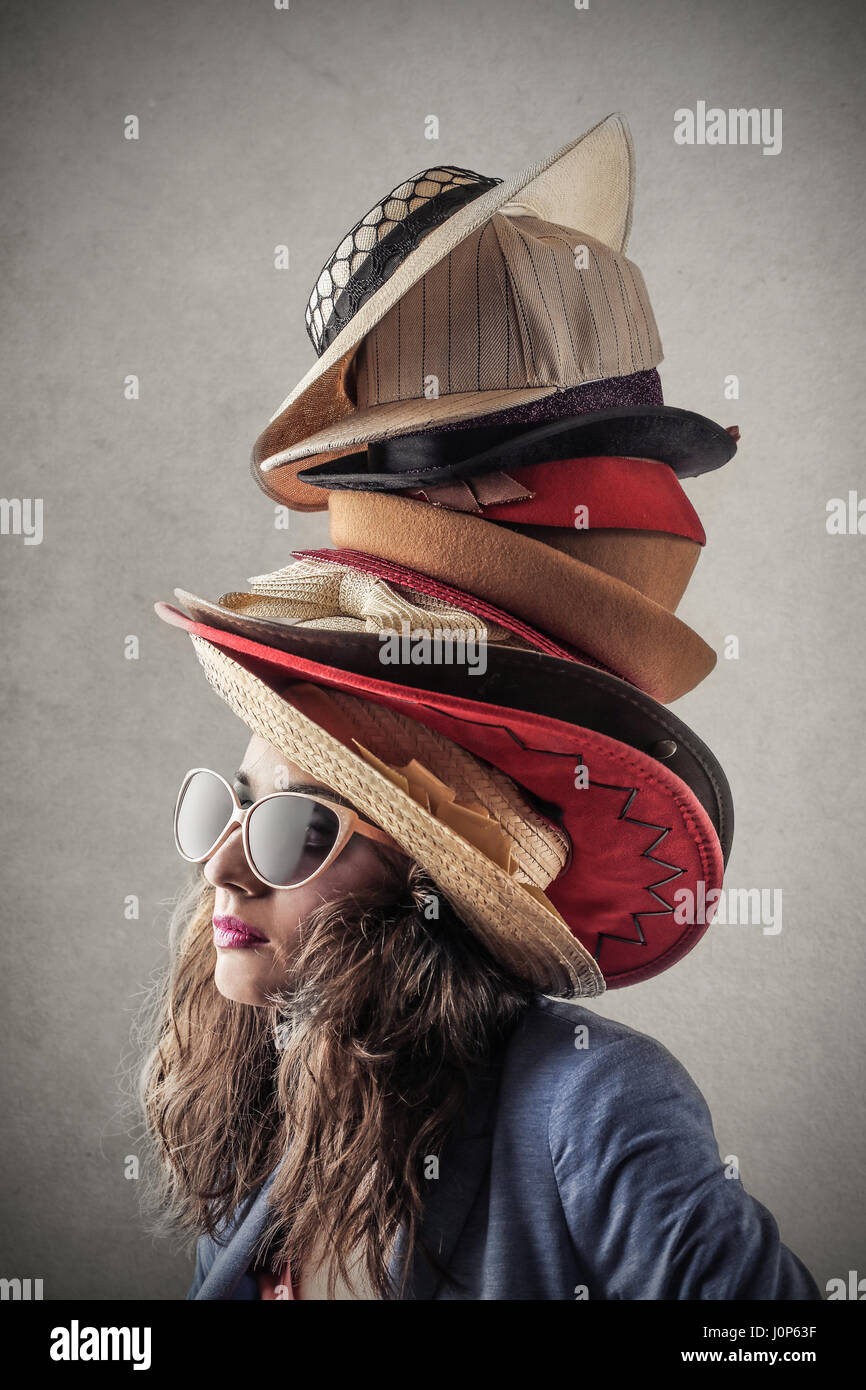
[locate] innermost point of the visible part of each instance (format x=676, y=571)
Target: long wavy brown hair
x=346, y=1081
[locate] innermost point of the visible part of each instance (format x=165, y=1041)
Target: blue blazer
x=585, y=1167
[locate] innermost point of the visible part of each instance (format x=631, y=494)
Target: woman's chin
x=239, y=978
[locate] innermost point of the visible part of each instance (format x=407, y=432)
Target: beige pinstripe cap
x=520, y=303
x=521, y=308
x=523, y=292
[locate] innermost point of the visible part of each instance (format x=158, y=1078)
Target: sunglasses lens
x=290, y=837
x=203, y=812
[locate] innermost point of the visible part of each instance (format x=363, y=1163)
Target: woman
x=336, y=1014
x=359, y=1093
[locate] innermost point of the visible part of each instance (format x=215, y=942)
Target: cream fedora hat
x=586, y=188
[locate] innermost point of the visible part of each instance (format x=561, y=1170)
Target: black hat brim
x=690, y=444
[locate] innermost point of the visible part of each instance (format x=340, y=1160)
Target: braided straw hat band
x=319, y=594
x=515, y=920
x=478, y=801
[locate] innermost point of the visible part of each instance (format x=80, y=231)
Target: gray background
x=155, y=257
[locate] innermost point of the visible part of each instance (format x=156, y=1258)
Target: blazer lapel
x=464, y=1162
x=232, y=1259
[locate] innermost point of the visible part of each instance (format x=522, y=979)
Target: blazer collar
x=463, y=1164
x=232, y=1259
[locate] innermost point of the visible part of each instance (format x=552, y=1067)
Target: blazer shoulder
x=599, y=1062
x=553, y=1022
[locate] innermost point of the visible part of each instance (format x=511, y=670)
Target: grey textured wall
x=155, y=257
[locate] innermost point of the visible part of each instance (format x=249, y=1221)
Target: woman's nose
x=228, y=867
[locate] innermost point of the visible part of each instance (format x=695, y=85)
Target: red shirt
x=269, y=1283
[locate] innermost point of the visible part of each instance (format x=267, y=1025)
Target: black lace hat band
x=381, y=241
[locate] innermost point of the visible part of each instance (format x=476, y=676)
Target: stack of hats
x=482, y=660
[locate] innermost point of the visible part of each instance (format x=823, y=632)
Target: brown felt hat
x=610, y=594
x=659, y=566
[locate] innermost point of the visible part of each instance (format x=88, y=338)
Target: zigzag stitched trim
x=647, y=853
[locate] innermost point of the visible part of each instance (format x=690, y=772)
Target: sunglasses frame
x=350, y=823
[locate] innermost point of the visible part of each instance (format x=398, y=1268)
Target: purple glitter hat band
x=641, y=388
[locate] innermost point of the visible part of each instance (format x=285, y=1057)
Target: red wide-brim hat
x=644, y=802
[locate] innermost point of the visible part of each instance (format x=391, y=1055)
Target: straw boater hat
x=557, y=808
x=461, y=297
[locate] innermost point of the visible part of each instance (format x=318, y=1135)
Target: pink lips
x=232, y=933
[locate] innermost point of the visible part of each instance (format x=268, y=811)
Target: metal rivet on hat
x=664, y=749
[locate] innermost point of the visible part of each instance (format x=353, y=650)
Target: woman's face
x=253, y=966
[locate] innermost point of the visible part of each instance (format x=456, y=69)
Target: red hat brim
x=638, y=831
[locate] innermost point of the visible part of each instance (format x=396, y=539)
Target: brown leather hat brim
x=291, y=439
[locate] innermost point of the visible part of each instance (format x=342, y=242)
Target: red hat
x=644, y=803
